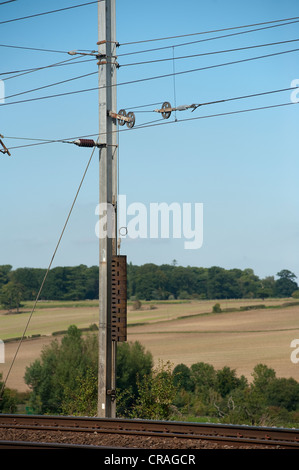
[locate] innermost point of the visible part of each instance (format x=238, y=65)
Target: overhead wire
x=166, y=47
x=72, y=61
x=68, y=61
x=208, y=32
x=7, y=1
x=228, y=113
x=36, y=49
x=153, y=78
x=159, y=122
x=67, y=140
x=52, y=84
x=204, y=40
x=190, y=56
x=49, y=12
x=224, y=100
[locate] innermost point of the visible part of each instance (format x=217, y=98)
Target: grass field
x=181, y=332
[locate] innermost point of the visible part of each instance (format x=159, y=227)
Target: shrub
x=295, y=294
x=217, y=308
x=136, y=305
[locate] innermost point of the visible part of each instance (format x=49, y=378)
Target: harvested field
x=178, y=332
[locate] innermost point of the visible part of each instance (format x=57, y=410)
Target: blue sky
x=242, y=167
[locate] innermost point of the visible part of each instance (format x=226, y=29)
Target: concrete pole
x=108, y=200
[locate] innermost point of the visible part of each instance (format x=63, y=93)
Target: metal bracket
x=105, y=42
x=123, y=117
x=112, y=393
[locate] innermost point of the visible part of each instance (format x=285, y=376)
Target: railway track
x=222, y=435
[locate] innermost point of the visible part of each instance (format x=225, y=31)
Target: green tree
x=262, y=377
x=8, y=401
x=156, y=394
x=227, y=380
x=182, y=378
x=267, y=288
x=11, y=295
x=5, y=270
x=30, y=279
x=132, y=362
x=82, y=400
x=249, y=284
x=57, y=372
x=204, y=376
x=283, y=393
x=243, y=406
x=285, y=285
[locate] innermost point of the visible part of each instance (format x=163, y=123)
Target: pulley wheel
x=166, y=114
x=123, y=113
x=131, y=123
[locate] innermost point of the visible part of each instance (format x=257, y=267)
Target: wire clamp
x=167, y=109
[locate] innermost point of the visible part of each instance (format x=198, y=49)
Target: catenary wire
x=67, y=61
x=158, y=39
x=7, y=1
x=74, y=60
x=253, y=95
x=152, y=78
x=153, y=123
x=204, y=40
x=47, y=272
x=52, y=84
x=208, y=32
x=120, y=55
x=21, y=72
x=33, y=49
x=211, y=53
x=49, y=12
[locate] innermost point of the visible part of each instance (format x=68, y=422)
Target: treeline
x=62, y=283
x=152, y=282
x=64, y=380
x=145, y=282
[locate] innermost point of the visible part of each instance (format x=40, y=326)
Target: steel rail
x=220, y=433
x=50, y=445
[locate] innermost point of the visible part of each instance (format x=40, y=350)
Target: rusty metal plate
x=119, y=298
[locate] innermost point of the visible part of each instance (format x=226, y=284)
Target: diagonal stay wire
x=48, y=269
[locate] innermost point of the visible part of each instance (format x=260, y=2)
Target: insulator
x=85, y=143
